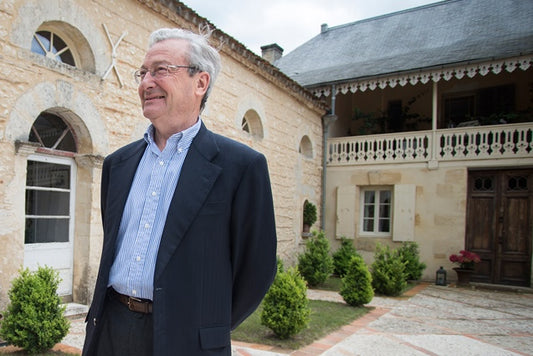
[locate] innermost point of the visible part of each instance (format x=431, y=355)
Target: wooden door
x=499, y=225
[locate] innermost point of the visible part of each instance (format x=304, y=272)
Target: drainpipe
x=327, y=120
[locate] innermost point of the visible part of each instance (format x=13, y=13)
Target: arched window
x=63, y=43
x=251, y=123
x=244, y=125
x=50, y=131
x=306, y=147
x=50, y=45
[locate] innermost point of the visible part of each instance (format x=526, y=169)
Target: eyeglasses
x=161, y=71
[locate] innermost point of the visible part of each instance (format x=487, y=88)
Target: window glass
x=47, y=202
x=52, y=132
x=50, y=175
x=377, y=211
x=39, y=202
x=42, y=230
x=50, y=45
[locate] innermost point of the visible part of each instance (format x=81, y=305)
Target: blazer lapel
x=121, y=172
x=197, y=177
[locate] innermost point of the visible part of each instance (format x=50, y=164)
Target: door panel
x=499, y=225
x=49, y=231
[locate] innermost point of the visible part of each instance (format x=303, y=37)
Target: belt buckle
x=130, y=304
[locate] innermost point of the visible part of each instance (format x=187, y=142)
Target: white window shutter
x=404, y=212
x=345, y=224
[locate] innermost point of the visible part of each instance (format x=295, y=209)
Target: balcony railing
x=468, y=143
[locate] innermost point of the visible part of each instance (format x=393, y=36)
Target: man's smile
x=154, y=97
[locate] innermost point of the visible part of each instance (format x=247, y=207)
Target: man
x=189, y=237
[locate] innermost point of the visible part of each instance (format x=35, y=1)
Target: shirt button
x=161, y=163
x=134, y=292
x=154, y=194
x=180, y=150
x=138, y=258
x=147, y=225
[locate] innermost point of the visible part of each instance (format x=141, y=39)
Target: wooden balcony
x=456, y=144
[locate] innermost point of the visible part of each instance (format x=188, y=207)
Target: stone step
x=75, y=310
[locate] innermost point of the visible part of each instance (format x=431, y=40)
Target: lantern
x=440, y=279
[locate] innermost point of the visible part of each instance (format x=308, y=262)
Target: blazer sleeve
x=253, y=240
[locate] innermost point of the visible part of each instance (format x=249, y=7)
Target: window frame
x=67, y=133
x=252, y=125
x=51, y=42
x=374, y=232
x=67, y=161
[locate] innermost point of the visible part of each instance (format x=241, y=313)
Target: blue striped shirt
x=145, y=213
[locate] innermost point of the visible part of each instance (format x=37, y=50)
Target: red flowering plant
x=465, y=259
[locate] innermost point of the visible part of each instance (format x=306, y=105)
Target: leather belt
x=134, y=304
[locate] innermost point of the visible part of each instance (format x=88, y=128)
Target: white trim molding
x=460, y=71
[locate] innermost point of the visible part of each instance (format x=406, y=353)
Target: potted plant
x=309, y=215
x=466, y=261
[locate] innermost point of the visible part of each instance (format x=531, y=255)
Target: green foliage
x=316, y=264
x=410, y=254
x=326, y=317
x=286, y=307
x=280, y=265
x=356, y=288
x=343, y=256
x=388, y=272
x=34, y=318
x=309, y=213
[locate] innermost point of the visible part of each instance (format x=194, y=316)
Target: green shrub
x=34, y=317
x=388, y=272
x=309, y=213
x=280, y=265
x=316, y=264
x=343, y=256
x=286, y=308
x=410, y=254
x=356, y=288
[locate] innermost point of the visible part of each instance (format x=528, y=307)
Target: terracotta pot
x=463, y=275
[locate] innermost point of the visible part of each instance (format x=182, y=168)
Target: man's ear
x=202, y=83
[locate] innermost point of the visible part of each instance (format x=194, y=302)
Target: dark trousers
x=124, y=332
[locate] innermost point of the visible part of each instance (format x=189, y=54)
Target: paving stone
x=436, y=320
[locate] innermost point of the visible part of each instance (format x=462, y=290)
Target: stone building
x=433, y=137
x=69, y=99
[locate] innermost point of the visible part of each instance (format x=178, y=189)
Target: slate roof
x=434, y=35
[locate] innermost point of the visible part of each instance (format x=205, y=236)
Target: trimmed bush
x=410, y=254
x=316, y=264
x=286, y=308
x=388, y=272
x=356, y=288
x=343, y=256
x=309, y=213
x=34, y=318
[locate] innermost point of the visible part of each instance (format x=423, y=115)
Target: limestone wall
x=104, y=112
x=439, y=202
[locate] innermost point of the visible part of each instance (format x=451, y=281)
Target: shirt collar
x=179, y=141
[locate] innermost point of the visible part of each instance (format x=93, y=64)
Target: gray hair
x=202, y=55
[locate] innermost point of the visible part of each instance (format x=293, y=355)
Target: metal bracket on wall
x=113, y=65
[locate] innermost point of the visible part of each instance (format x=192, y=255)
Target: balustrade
x=468, y=143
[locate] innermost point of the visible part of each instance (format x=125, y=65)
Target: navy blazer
x=217, y=256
